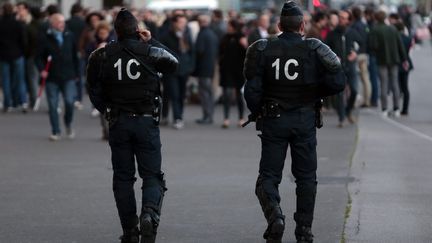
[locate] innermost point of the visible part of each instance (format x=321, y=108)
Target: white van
x=162, y=5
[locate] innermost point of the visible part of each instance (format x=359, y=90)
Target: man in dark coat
x=76, y=25
x=63, y=74
x=261, y=30
x=12, y=46
x=206, y=48
x=342, y=41
x=178, y=40
x=385, y=41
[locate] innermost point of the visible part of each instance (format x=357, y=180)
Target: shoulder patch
x=313, y=43
x=260, y=45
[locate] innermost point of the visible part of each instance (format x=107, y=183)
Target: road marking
x=403, y=127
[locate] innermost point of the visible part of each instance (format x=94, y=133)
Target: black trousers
x=295, y=128
x=135, y=139
x=403, y=82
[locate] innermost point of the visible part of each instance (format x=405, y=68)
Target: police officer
x=123, y=83
x=286, y=76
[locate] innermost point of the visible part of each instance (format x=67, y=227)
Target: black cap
x=125, y=24
x=291, y=8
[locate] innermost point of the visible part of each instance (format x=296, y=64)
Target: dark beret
x=291, y=8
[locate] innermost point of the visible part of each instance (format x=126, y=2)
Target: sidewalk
x=392, y=194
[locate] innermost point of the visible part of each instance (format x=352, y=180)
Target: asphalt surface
x=392, y=191
x=61, y=191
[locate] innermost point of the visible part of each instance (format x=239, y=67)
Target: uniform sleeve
x=333, y=78
x=253, y=72
x=94, y=82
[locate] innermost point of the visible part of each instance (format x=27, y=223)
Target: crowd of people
x=372, y=45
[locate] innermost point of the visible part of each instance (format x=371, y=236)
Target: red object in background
x=316, y=3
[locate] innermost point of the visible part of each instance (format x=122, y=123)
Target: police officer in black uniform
x=286, y=77
x=123, y=83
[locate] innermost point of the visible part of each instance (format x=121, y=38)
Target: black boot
x=276, y=226
x=130, y=236
x=303, y=231
x=149, y=223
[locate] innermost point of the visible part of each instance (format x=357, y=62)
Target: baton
x=42, y=85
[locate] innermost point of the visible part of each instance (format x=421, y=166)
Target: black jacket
x=341, y=41
x=361, y=33
x=206, y=49
x=76, y=25
x=156, y=58
x=327, y=65
x=13, y=38
x=186, y=58
x=231, y=60
x=64, y=64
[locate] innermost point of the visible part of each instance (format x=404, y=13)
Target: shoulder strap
x=146, y=67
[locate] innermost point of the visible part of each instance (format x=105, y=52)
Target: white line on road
x=403, y=127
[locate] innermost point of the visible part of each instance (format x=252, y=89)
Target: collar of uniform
x=129, y=42
x=290, y=36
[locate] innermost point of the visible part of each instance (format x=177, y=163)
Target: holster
x=111, y=115
x=318, y=114
x=157, y=109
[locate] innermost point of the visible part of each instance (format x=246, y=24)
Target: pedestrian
x=76, y=25
x=30, y=17
x=232, y=52
x=102, y=37
x=13, y=43
x=206, y=52
x=362, y=30
x=285, y=77
x=261, y=30
x=63, y=74
x=123, y=84
x=408, y=42
x=386, y=43
x=341, y=41
x=179, y=40
x=369, y=14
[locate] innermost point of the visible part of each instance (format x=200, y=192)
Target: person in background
x=341, y=41
x=31, y=19
x=206, y=50
x=13, y=43
x=92, y=20
x=218, y=25
x=147, y=18
x=261, y=30
x=178, y=40
x=319, y=21
x=386, y=43
x=369, y=14
x=60, y=45
x=362, y=30
x=408, y=42
x=102, y=37
x=76, y=25
x=232, y=52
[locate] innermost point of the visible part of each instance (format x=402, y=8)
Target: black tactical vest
x=127, y=85
x=290, y=73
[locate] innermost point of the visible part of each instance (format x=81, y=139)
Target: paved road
x=61, y=192
x=391, y=195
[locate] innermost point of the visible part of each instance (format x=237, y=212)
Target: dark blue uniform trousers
x=137, y=138
x=295, y=128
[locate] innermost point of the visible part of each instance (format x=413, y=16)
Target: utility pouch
x=318, y=114
x=271, y=109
